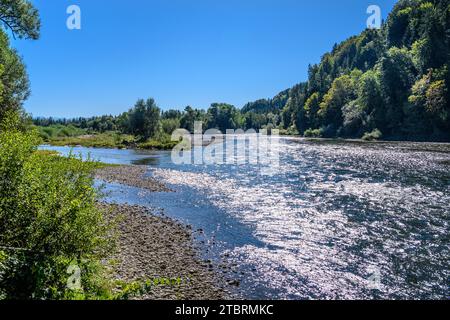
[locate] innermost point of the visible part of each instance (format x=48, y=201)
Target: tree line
x=390, y=82
x=393, y=81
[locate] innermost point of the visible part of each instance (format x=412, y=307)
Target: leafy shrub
x=47, y=132
x=313, y=133
x=170, y=125
x=371, y=136
x=48, y=222
x=59, y=131
x=99, y=140
x=64, y=132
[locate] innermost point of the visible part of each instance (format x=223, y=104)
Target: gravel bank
x=154, y=247
x=134, y=176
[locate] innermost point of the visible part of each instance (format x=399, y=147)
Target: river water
x=335, y=220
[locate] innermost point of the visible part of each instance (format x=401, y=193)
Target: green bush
x=157, y=145
x=108, y=139
x=59, y=131
x=313, y=133
x=372, y=136
x=48, y=222
x=160, y=141
x=64, y=132
x=48, y=132
x=291, y=131
x=170, y=125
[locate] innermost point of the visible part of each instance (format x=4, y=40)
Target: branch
x=9, y=26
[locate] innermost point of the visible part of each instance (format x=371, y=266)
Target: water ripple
x=338, y=220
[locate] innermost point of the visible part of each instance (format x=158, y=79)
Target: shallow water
x=335, y=220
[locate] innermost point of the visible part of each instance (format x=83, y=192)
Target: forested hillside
x=389, y=83
x=392, y=81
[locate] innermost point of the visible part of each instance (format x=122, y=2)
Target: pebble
x=152, y=246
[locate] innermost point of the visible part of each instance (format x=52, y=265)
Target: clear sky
x=180, y=52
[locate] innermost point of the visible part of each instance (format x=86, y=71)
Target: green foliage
x=421, y=53
x=48, y=221
x=395, y=79
x=428, y=105
x=20, y=17
x=13, y=78
x=314, y=133
x=436, y=102
x=354, y=119
x=99, y=140
x=190, y=116
x=291, y=131
x=170, y=125
x=342, y=91
x=144, y=118
x=223, y=116
x=157, y=145
x=59, y=131
x=371, y=136
x=259, y=106
x=263, y=106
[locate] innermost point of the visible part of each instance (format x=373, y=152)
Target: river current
x=335, y=220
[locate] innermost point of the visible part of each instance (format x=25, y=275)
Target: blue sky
x=180, y=52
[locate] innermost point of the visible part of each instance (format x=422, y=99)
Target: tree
x=258, y=106
x=354, y=118
x=436, y=102
x=397, y=77
x=254, y=120
x=397, y=24
x=342, y=91
x=421, y=53
x=370, y=100
x=287, y=114
x=169, y=125
x=223, y=116
x=21, y=18
x=417, y=120
x=144, y=119
x=311, y=110
x=190, y=116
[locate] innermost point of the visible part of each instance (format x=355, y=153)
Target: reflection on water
x=113, y=156
x=336, y=220
x=150, y=161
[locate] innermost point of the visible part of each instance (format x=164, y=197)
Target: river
x=335, y=220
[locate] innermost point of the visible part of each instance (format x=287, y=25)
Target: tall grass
x=59, y=131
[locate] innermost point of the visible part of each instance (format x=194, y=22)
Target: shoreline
x=169, y=147
x=157, y=248
x=130, y=175
x=161, y=250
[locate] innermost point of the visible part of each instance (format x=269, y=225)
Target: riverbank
x=396, y=192
x=108, y=140
x=156, y=248
x=134, y=176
